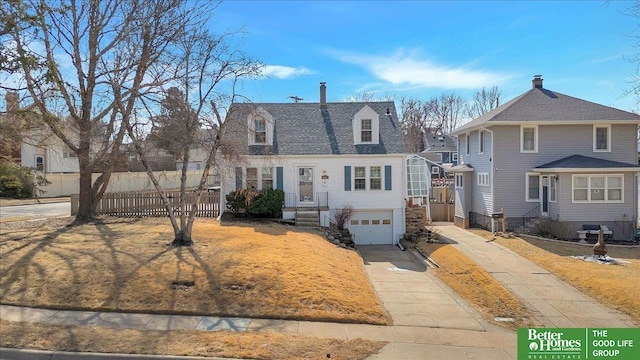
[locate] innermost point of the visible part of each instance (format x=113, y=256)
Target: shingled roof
x=309, y=129
x=575, y=162
x=540, y=105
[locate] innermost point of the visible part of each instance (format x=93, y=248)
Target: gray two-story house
x=549, y=155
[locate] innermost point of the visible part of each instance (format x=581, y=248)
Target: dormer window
x=366, y=126
x=365, y=133
x=260, y=131
x=260, y=126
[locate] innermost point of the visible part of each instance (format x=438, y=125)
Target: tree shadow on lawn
x=109, y=266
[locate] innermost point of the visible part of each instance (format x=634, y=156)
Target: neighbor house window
x=528, y=139
x=39, y=163
x=360, y=178
x=601, y=138
x=260, y=131
x=366, y=130
x=68, y=153
x=458, y=179
x=481, y=142
x=267, y=178
x=454, y=156
x=252, y=178
x=468, y=145
x=533, y=187
x=483, y=179
x=597, y=188
x=435, y=170
x=375, y=178
x=552, y=188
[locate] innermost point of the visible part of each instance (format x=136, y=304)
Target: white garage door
x=372, y=227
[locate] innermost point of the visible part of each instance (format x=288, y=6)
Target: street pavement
x=430, y=321
x=36, y=211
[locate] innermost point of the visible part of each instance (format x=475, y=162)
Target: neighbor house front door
x=305, y=185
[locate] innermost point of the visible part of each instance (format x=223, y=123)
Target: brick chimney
x=537, y=81
x=323, y=94
x=12, y=101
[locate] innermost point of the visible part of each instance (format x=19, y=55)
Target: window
x=481, y=142
x=68, y=153
x=39, y=163
x=435, y=169
x=360, y=178
x=458, y=178
x=533, y=187
x=454, y=156
x=260, y=131
x=468, y=145
x=252, y=178
x=597, y=188
x=418, y=180
x=552, y=188
x=483, y=179
x=267, y=178
x=528, y=139
x=375, y=178
x=601, y=138
x=366, y=131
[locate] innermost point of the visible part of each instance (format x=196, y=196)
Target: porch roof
x=581, y=163
x=460, y=168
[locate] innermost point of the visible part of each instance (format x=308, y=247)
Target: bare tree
x=414, y=123
x=88, y=63
x=484, y=100
x=445, y=113
x=209, y=69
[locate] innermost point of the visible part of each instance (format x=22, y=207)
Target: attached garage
x=372, y=227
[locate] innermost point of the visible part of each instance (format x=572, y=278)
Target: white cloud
x=284, y=72
x=406, y=69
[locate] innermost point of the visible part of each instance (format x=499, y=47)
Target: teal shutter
x=387, y=177
x=279, y=178
x=347, y=178
x=238, y=178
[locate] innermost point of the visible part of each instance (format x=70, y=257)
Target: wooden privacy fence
x=149, y=203
x=441, y=211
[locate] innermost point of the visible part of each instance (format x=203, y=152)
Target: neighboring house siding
x=54, y=160
x=554, y=142
x=597, y=211
x=481, y=199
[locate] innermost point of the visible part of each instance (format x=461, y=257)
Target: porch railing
x=321, y=200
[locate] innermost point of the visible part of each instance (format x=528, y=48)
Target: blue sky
x=420, y=49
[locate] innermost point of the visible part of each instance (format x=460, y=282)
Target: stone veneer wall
x=415, y=219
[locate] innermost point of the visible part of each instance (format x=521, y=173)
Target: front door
x=305, y=185
x=545, y=196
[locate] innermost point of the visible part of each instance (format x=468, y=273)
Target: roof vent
x=537, y=81
x=388, y=111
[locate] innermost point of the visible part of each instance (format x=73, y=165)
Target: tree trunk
x=86, y=203
x=183, y=238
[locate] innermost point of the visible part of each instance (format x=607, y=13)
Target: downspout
x=492, y=176
x=404, y=205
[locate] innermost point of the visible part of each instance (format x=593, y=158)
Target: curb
x=22, y=354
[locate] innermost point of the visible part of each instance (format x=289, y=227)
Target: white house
x=326, y=156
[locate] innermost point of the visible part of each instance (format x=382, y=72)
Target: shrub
x=266, y=203
x=15, y=181
x=343, y=215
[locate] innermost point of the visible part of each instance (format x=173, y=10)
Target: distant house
x=551, y=156
x=444, y=147
x=326, y=156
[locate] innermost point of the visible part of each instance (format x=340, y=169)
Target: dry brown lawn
x=486, y=294
x=614, y=285
x=188, y=343
x=257, y=270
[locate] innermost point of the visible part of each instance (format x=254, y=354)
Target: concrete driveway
x=36, y=211
x=413, y=295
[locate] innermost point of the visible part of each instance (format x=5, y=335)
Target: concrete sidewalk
x=553, y=302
